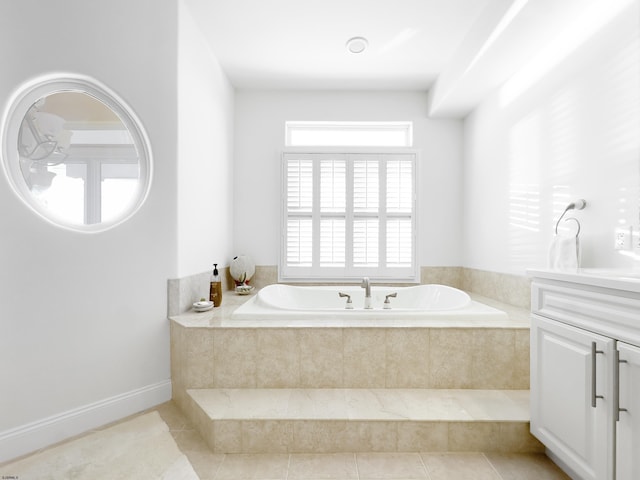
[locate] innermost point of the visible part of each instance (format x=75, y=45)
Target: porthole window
x=75, y=153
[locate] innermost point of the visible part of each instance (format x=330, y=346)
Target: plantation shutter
x=399, y=200
x=348, y=215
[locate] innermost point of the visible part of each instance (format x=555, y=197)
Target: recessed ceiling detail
x=458, y=50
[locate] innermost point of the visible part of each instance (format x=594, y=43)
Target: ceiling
x=300, y=44
x=456, y=49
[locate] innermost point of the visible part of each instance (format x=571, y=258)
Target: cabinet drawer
x=594, y=309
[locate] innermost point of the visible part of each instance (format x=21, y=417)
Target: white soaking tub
x=309, y=303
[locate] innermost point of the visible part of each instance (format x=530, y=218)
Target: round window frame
x=23, y=99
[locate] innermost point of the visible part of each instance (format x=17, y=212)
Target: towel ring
x=575, y=220
x=578, y=205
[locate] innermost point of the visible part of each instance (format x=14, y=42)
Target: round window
x=75, y=153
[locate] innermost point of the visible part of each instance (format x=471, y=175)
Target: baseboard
x=48, y=431
x=562, y=465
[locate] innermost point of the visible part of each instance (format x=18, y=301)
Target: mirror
x=76, y=154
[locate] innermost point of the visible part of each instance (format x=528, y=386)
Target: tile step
x=362, y=420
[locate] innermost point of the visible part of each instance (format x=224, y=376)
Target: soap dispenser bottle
x=215, y=287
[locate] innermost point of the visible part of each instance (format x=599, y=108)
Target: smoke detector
x=357, y=44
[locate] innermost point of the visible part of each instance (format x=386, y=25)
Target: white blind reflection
x=574, y=133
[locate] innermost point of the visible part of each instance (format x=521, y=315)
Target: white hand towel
x=564, y=253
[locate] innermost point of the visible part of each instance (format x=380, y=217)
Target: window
x=75, y=153
x=349, y=134
x=349, y=214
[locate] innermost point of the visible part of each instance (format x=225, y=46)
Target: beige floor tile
x=322, y=466
x=140, y=447
x=494, y=405
x=375, y=404
x=459, y=466
x=513, y=466
x=407, y=358
x=320, y=436
x=189, y=441
x=239, y=404
x=253, y=467
x=173, y=417
x=515, y=437
x=423, y=437
x=227, y=436
x=390, y=466
x=371, y=436
x=147, y=452
x=312, y=404
x=235, y=358
x=272, y=436
x=278, y=358
x=363, y=366
x=433, y=404
x=205, y=463
x=321, y=357
x=473, y=436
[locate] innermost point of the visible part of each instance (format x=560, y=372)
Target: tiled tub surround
x=210, y=351
x=457, y=370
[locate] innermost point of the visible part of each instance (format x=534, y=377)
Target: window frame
x=404, y=127
x=316, y=273
x=23, y=99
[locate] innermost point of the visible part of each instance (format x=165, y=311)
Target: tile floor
x=347, y=466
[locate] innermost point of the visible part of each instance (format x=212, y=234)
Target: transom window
x=349, y=214
x=349, y=134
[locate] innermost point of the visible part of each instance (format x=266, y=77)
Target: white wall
x=551, y=136
x=259, y=127
x=205, y=111
x=84, y=337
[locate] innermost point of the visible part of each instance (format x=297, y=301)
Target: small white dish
x=202, y=306
x=244, y=289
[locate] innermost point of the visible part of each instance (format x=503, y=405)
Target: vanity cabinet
x=570, y=413
x=628, y=425
x=585, y=374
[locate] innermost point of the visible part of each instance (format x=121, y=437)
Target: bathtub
x=311, y=303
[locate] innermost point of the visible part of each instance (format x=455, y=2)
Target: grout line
x=215, y=473
x=492, y=466
x=286, y=477
x=355, y=459
x=424, y=465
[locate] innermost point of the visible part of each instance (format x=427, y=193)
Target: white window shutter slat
x=299, y=242
x=332, y=242
x=366, y=186
x=299, y=185
x=399, y=242
x=399, y=186
x=365, y=242
x=333, y=178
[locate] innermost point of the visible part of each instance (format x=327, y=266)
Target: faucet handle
x=387, y=302
x=349, y=304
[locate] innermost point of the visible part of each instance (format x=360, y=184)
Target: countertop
x=220, y=317
x=618, y=279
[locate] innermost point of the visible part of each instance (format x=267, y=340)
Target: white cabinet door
x=564, y=387
x=628, y=427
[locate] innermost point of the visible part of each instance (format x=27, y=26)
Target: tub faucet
x=367, y=292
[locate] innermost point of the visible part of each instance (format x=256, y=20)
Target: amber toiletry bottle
x=215, y=288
